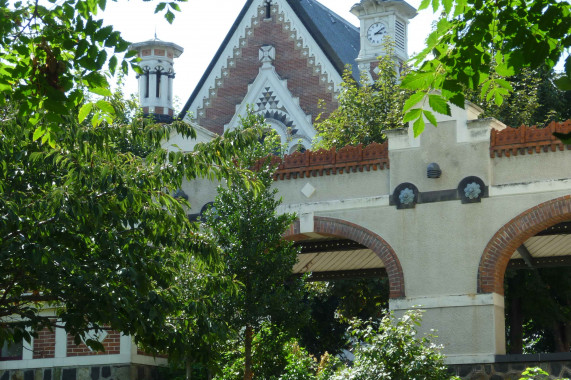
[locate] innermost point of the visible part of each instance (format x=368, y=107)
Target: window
x=11, y=351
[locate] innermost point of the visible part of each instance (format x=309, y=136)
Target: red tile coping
x=514, y=141
x=347, y=159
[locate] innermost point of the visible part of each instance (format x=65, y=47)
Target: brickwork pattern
x=348, y=230
x=111, y=343
x=346, y=160
x=503, y=244
x=514, y=141
x=45, y=344
x=293, y=62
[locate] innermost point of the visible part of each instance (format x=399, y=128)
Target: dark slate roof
x=338, y=39
x=336, y=36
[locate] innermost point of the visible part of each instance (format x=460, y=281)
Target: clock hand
x=380, y=31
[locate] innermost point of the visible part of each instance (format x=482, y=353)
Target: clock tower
x=381, y=18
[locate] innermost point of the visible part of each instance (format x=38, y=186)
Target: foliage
x=89, y=231
x=300, y=366
x=393, y=351
x=535, y=100
x=519, y=107
x=540, y=301
x=477, y=43
x=367, y=109
x=277, y=356
x=333, y=304
x=51, y=52
x=536, y=373
x=245, y=224
x=269, y=352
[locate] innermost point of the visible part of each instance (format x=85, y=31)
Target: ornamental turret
x=156, y=81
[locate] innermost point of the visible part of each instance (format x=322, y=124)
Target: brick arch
x=504, y=243
x=348, y=230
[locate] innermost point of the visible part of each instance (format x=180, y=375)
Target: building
x=444, y=234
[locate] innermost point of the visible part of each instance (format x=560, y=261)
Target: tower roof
x=178, y=50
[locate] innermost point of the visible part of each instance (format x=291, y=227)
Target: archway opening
x=354, y=272
x=537, y=288
x=345, y=280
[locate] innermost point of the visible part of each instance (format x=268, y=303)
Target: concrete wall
x=439, y=242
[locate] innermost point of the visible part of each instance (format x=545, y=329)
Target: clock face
x=376, y=32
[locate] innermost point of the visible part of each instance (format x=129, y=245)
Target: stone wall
x=511, y=370
x=108, y=372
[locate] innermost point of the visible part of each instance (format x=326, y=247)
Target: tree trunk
x=248, y=375
x=516, y=320
x=516, y=326
x=558, y=336
x=188, y=369
x=567, y=335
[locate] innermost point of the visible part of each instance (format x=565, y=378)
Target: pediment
x=301, y=59
x=269, y=96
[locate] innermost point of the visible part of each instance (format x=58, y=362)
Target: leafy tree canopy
x=90, y=234
x=53, y=50
x=365, y=109
x=479, y=43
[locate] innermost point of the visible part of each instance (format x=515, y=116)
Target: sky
x=201, y=26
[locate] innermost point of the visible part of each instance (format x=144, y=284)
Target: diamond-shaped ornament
x=308, y=190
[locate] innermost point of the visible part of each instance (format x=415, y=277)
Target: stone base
x=101, y=372
x=510, y=367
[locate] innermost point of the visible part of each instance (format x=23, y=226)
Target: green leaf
x=101, y=91
x=175, y=6
x=418, y=126
x=413, y=100
x=106, y=107
x=412, y=114
x=439, y=104
x=424, y=4
x=505, y=70
x=418, y=80
x=563, y=83
x=39, y=132
x=169, y=16
x=430, y=116
x=84, y=111
x=113, y=64
x=160, y=7
x=447, y=5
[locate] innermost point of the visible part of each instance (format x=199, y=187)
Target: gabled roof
x=336, y=37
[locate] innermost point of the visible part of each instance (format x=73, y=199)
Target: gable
x=310, y=66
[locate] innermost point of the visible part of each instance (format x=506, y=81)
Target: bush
x=392, y=350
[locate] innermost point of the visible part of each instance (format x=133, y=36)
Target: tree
x=365, y=109
x=479, y=43
x=538, y=310
x=52, y=51
x=334, y=304
x=244, y=222
x=89, y=229
x=393, y=351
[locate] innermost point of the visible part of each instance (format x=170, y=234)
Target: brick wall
x=503, y=244
x=45, y=344
x=111, y=343
x=292, y=63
